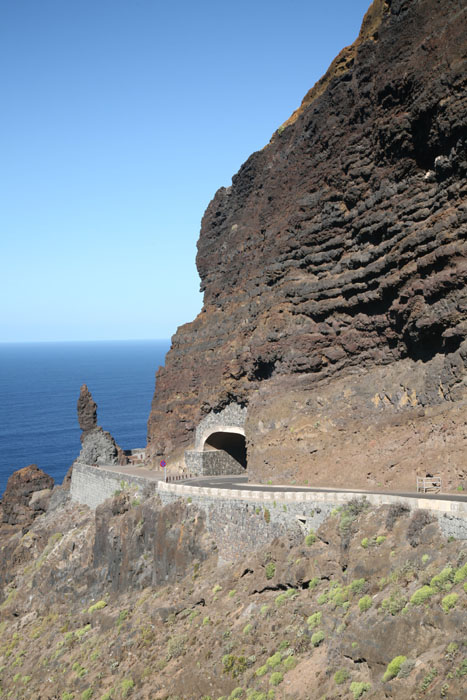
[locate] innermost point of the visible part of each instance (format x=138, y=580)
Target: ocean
x=39, y=389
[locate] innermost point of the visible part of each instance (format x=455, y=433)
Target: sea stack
x=98, y=446
x=87, y=411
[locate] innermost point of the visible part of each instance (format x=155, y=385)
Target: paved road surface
x=241, y=482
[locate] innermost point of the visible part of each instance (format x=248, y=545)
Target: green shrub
x=236, y=693
x=175, y=647
x=97, y=606
x=314, y=620
x=365, y=543
x=290, y=662
x=422, y=595
x=267, y=515
x=338, y=597
x=232, y=592
x=206, y=620
x=443, y=580
x=310, y=538
x=461, y=574
x=261, y=671
x=274, y=660
x=276, y=678
x=313, y=583
x=365, y=603
x=67, y=696
x=380, y=539
x=393, y=668
x=322, y=599
x=451, y=651
x=427, y=681
x=449, y=601
x=216, y=589
x=358, y=689
x=264, y=608
x=357, y=585
x=235, y=665
x=395, y=603
x=350, y=512
x=270, y=570
x=247, y=629
x=282, y=597
x=87, y=694
x=79, y=670
x=126, y=686
x=425, y=558
x=341, y=676
x=317, y=638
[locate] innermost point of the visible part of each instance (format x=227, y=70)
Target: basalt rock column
x=87, y=410
x=334, y=272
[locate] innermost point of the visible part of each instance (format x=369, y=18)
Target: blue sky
x=120, y=119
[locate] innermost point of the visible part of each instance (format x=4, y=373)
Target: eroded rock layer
x=334, y=272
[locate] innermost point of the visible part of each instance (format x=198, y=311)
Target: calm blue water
x=39, y=388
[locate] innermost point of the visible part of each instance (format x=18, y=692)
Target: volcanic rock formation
x=87, y=410
x=98, y=446
x=334, y=273
x=26, y=495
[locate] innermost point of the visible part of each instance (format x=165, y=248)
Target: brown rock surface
x=170, y=621
x=334, y=272
x=26, y=495
x=87, y=410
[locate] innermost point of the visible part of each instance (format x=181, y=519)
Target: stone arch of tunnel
x=230, y=442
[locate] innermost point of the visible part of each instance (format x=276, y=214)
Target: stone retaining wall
x=93, y=485
x=242, y=521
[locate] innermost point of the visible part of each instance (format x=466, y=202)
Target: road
x=236, y=482
x=241, y=482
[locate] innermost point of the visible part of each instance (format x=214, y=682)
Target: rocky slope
x=132, y=601
x=334, y=273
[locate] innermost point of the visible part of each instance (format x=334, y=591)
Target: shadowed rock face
x=334, y=272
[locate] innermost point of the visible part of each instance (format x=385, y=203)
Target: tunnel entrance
x=233, y=444
x=220, y=445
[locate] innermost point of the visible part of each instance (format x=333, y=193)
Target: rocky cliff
x=133, y=601
x=334, y=272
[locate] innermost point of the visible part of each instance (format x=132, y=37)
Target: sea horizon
x=39, y=389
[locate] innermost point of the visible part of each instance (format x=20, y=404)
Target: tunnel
x=232, y=443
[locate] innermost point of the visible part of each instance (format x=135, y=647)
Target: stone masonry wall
x=212, y=463
x=231, y=416
x=93, y=485
x=242, y=521
x=243, y=526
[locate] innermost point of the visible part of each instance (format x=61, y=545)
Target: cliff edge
x=334, y=273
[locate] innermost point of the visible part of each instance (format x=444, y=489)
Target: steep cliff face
x=334, y=271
